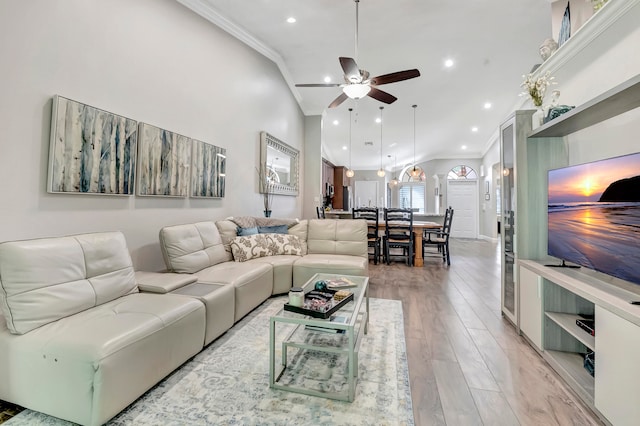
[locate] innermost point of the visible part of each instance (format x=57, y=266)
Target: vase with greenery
x=266, y=188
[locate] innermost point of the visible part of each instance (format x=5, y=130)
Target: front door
x=463, y=197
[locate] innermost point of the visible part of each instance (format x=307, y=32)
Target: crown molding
x=610, y=13
x=204, y=9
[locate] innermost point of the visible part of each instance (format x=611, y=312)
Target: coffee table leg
x=272, y=351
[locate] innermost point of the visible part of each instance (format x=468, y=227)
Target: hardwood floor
x=467, y=365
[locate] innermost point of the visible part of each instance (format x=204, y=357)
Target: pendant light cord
x=414, y=139
x=350, y=120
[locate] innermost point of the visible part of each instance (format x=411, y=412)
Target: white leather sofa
x=204, y=250
x=77, y=339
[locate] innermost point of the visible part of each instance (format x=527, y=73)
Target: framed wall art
x=91, y=151
x=164, y=162
x=208, y=170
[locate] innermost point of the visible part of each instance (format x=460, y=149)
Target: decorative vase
x=267, y=213
x=537, y=118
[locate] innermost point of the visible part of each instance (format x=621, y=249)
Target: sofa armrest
x=161, y=282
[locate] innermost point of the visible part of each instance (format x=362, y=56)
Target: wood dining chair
x=440, y=239
x=370, y=214
x=398, y=233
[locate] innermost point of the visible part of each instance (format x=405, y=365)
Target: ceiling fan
x=357, y=82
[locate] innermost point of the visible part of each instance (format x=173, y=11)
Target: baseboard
x=490, y=239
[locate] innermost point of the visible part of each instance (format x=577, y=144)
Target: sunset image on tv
x=594, y=216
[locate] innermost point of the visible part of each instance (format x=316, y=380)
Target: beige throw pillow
x=261, y=245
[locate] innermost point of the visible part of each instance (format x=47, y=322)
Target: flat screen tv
x=594, y=216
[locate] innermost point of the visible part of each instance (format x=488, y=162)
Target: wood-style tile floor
x=467, y=364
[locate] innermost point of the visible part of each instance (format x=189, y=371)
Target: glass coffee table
x=319, y=357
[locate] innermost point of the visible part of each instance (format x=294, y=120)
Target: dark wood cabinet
x=340, y=182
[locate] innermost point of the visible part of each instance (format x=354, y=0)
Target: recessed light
x=378, y=120
x=336, y=122
x=448, y=63
x=344, y=147
x=327, y=79
x=463, y=147
x=474, y=129
x=487, y=105
x=291, y=20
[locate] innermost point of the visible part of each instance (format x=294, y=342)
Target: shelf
x=616, y=101
x=570, y=366
x=568, y=323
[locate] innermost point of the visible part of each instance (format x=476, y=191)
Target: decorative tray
x=326, y=296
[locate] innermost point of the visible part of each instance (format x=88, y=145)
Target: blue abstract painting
x=91, y=151
x=565, y=27
x=164, y=160
x=208, y=170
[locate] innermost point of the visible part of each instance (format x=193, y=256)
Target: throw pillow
x=286, y=244
x=278, y=229
x=251, y=247
x=245, y=221
x=243, y=232
x=270, y=221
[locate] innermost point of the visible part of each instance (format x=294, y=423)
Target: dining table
x=418, y=228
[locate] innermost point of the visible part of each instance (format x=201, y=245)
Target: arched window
x=405, y=175
x=411, y=190
x=462, y=172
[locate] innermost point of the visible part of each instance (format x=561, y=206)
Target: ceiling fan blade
x=382, y=96
x=337, y=101
x=351, y=70
x=395, y=76
x=319, y=85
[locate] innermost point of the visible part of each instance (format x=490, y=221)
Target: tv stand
x=555, y=299
x=562, y=265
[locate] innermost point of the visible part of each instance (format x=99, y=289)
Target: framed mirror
x=279, y=162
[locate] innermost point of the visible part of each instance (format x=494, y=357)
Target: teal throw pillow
x=276, y=229
x=245, y=232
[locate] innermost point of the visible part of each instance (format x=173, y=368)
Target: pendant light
x=381, y=171
x=415, y=172
x=350, y=173
x=394, y=181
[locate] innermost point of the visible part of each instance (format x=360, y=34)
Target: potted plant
x=266, y=188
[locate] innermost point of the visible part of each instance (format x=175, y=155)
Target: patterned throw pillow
x=261, y=245
x=251, y=247
x=245, y=221
x=273, y=221
x=286, y=244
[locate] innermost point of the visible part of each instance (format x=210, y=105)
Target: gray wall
x=150, y=60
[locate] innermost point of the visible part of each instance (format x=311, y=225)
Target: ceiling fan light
x=356, y=91
x=350, y=173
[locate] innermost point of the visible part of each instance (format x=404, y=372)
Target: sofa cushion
x=192, y=247
x=47, y=279
x=275, y=229
x=338, y=236
x=300, y=230
x=228, y=231
x=307, y=266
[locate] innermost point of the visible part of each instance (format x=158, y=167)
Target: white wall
x=149, y=60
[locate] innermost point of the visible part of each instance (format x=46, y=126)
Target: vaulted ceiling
x=492, y=43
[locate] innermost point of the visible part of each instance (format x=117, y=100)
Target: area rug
x=228, y=382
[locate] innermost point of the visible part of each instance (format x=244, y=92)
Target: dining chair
x=440, y=239
x=320, y=212
x=398, y=233
x=370, y=214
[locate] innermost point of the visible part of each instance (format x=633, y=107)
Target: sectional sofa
x=82, y=335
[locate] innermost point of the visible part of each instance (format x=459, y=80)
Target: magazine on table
x=339, y=319
x=341, y=282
